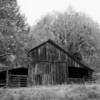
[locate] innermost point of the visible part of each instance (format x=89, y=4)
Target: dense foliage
x=13, y=30
x=74, y=31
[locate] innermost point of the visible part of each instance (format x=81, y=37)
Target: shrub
x=7, y=97
x=93, y=95
x=23, y=97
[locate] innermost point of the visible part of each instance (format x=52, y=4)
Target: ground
x=60, y=92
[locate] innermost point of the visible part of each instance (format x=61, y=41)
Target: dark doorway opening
x=38, y=79
x=2, y=78
x=77, y=74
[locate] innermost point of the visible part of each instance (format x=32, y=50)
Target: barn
x=50, y=64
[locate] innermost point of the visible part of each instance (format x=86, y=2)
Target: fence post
x=7, y=78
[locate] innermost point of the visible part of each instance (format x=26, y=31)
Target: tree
x=76, y=32
x=13, y=30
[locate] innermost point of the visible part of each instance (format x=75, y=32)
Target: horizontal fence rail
x=2, y=83
x=17, y=80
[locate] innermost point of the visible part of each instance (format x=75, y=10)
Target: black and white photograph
x=49, y=50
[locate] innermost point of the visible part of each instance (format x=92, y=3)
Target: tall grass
x=65, y=92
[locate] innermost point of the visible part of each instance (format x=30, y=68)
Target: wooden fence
x=17, y=80
x=2, y=83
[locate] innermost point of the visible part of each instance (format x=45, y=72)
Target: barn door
x=59, y=75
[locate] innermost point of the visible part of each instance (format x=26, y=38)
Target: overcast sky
x=34, y=9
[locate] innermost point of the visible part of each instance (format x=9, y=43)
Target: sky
x=35, y=9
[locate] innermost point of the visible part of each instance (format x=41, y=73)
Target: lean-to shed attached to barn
x=11, y=76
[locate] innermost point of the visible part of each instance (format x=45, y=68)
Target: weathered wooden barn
x=49, y=64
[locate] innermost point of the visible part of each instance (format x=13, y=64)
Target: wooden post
x=7, y=78
x=59, y=55
x=51, y=73
x=32, y=69
x=28, y=76
x=57, y=72
x=65, y=68
x=47, y=54
x=67, y=71
x=48, y=73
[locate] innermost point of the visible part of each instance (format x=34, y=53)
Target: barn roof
x=62, y=49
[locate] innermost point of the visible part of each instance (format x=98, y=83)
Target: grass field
x=60, y=92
